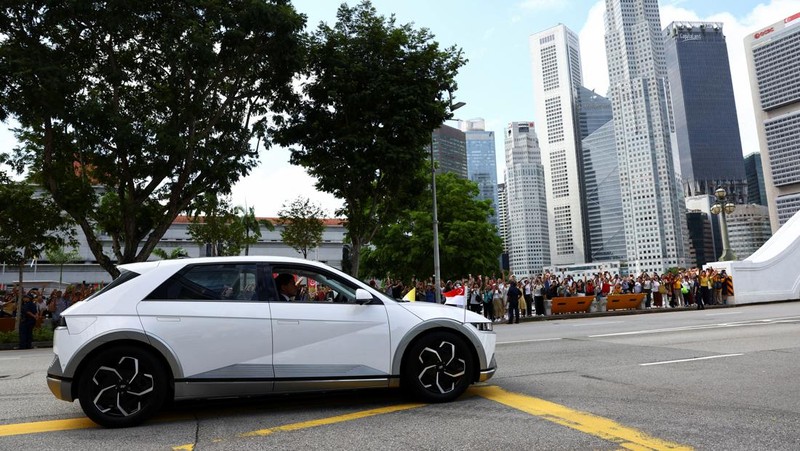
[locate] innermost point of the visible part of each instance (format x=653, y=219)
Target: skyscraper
x=450, y=150
x=603, y=201
x=557, y=77
x=652, y=207
x=528, y=242
x=481, y=161
x=773, y=59
x=756, y=191
x=706, y=127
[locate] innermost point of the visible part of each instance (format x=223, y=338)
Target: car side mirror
x=363, y=296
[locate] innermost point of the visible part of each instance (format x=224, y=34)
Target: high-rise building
x=594, y=111
x=556, y=80
x=773, y=61
x=603, y=200
x=748, y=229
x=502, y=215
x=450, y=150
x=528, y=241
x=481, y=161
x=652, y=206
x=756, y=191
x=705, y=125
x=701, y=237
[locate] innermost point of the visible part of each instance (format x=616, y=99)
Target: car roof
x=142, y=267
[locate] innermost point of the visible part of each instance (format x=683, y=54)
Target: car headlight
x=483, y=327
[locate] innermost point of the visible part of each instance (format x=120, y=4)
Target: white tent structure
x=772, y=273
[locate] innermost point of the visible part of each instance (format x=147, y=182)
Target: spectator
x=513, y=295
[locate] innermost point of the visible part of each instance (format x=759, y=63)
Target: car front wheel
x=122, y=387
x=438, y=367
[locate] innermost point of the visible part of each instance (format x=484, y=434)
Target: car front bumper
x=487, y=374
x=60, y=386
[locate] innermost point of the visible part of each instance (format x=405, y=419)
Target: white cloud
x=275, y=182
x=542, y=5
x=595, y=68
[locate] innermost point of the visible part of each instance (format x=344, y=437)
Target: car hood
x=429, y=310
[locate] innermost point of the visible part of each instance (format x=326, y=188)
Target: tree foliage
x=216, y=224
x=373, y=93
x=302, y=225
x=60, y=256
x=29, y=225
x=252, y=227
x=469, y=243
x=131, y=109
x=174, y=253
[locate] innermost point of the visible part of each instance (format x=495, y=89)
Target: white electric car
x=221, y=327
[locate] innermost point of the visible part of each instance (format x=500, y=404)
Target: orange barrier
x=571, y=304
x=624, y=301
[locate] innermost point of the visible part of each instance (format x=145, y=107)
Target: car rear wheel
x=438, y=367
x=122, y=387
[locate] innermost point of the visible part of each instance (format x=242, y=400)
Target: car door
x=215, y=319
x=323, y=336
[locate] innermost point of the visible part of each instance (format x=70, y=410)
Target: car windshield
x=124, y=276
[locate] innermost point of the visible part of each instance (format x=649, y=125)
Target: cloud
x=542, y=5
x=595, y=68
x=275, y=182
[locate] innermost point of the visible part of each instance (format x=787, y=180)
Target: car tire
x=438, y=367
x=122, y=387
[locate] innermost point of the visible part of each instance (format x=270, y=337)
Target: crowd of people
x=46, y=303
x=497, y=298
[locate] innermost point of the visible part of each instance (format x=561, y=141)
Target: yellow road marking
x=627, y=438
x=332, y=420
x=319, y=422
x=45, y=426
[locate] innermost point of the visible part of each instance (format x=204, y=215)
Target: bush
x=44, y=333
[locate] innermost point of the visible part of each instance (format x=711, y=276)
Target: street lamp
x=437, y=270
x=723, y=207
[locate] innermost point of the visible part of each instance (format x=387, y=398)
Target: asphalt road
x=721, y=379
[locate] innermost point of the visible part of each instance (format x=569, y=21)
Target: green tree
x=29, y=225
x=302, y=225
x=373, y=93
x=128, y=110
x=60, y=256
x=216, y=224
x=252, y=227
x=177, y=252
x=469, y=243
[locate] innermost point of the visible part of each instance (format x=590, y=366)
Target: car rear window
x=124, y=276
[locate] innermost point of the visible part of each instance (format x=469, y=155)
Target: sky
x=496, y=84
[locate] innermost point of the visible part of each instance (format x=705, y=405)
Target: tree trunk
x=355, y=255
x=20, y=297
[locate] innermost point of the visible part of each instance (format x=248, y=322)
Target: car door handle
x=289, y=321
x=168, y=319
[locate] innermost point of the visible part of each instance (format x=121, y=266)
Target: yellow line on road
x=332, y=420
x=627, y=438
x=46, y=426
x=319, y=422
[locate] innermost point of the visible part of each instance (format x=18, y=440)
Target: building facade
x=748, y=229
x=705, y=124
x=528, y=238
x=86, y=269
x=603, y=199
x=773, y=62
x=450, y=150
x=555, y=54
x=481, y=161
x=653, y=209
x=502, y=214
x=754, y=173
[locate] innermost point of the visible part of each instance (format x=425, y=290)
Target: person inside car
x=287, y=289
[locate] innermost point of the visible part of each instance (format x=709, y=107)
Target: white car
x=221, y=327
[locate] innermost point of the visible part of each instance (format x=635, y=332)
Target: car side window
x=211, y=282
x=295, y=284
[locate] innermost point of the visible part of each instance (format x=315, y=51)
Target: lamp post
x=723, y=207
x=437, y=270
